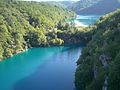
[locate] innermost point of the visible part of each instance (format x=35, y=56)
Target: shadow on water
x=40, y=69
x=22, y=65
x=72, y=47
x=57, y=73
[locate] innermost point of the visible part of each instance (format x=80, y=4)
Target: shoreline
x=22, y=51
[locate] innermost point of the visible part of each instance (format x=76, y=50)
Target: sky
x=51, y=0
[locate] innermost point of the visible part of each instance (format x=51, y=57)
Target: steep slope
x=99, y=64
x=82, y=4
x=65, y=4
x=29, y=24
x=102, y=7
x=76, y=5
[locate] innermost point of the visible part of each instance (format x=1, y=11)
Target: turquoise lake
x=85, y=20
x=40, y=69
x=43, y=68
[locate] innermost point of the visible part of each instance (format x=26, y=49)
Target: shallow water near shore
x=40, y=69
x=86, y=20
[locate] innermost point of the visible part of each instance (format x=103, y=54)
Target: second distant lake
x=85, y=20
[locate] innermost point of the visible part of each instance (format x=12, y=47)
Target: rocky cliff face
x=98, y=66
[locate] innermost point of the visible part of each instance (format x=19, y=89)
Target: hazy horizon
x=50, y=0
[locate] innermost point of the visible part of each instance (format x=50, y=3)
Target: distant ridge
x=82, y=4
x=102, y=7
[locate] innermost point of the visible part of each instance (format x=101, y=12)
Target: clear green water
x=84, y=20
x=87, y=19
x=40, y=69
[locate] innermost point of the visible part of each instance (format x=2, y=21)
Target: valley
x=65, y=45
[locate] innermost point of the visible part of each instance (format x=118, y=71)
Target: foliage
x=95, y=6
x=105, y=43
x=27, y=24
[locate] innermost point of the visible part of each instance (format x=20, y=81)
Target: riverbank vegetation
x=99, y=64
x=31, y=24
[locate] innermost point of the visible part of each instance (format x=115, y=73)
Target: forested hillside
x=95, y=6
x=99, y=64
x=25, y=25
x=65, y=4
x=91, y=6
x=29, y=24
x=82, y=4
x=76, y=5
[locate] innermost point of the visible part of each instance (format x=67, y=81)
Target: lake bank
x=84, y=20
x=41, y=66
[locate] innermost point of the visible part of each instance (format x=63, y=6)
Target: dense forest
x=82, y=4
x=25, y=25
x=101, y=7
x=76, y=6
x=99, y=64
x=31, y=24
x=92, y=6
